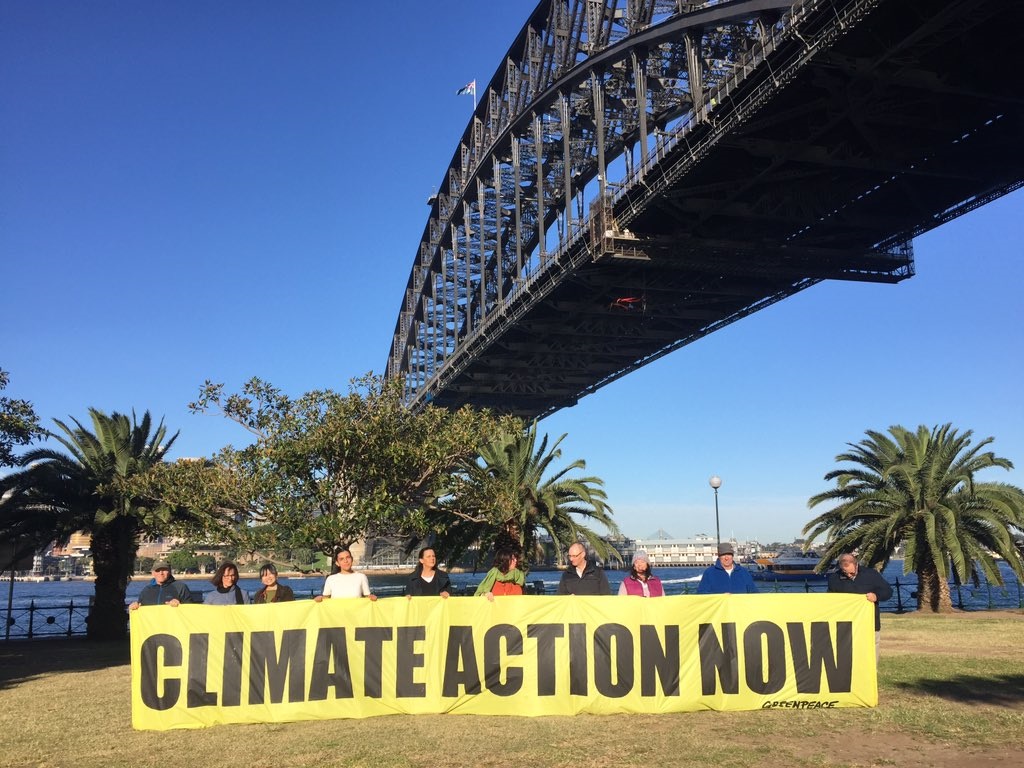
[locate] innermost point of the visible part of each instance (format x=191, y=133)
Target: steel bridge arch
x=545, y=72
x=643, y=88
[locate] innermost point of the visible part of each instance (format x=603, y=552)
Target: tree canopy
x=326, y=469
x=918, y=489
x=82, y=489
x=19, y=424
x=514, y=490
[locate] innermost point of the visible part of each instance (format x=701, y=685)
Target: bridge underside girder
x=822, y=163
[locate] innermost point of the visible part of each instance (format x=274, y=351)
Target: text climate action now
x=195, y=666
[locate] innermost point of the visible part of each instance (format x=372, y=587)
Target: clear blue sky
x=223, y=190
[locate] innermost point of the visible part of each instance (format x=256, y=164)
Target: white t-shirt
x=347, y=585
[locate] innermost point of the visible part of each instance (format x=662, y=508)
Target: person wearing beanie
x=641, y=581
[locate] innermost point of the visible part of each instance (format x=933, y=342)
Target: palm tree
x=58, y=494
x=514, y=500
x=918, y=489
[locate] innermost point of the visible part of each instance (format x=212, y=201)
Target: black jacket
x=417, y=587
x=866, y=580
x=592, y=582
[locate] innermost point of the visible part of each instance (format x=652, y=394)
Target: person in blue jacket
x=726, y=576
x=163, y=590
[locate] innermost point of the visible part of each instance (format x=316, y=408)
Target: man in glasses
x=582, y=577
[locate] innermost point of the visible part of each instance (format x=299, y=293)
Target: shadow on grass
x=23, y=660
x=1002, y=690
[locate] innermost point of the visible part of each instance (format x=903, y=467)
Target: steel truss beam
x=638, y=174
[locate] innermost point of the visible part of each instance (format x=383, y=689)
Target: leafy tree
x=919, y=489
x=60, y=493
x=302, y=556
x=513, y=490
x=326, y=468
x=144, y=564
x=206, y=563
x=19, y=424
x=182, y=561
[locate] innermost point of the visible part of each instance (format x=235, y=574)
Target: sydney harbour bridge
x=640, y=173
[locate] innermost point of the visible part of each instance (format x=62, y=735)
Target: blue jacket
x=158, y=594
x=717, y=581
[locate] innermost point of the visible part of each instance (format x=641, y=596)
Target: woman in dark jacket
x=272, y=591
x=427, y=580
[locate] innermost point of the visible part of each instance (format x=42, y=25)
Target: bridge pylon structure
x=641, y=173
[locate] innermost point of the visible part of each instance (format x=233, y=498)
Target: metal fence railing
x=41, y=619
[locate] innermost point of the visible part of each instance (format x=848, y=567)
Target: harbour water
x=60, y=607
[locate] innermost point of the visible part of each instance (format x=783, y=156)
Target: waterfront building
x=697, y=552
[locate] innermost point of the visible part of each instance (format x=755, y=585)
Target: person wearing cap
x=582, y=577
x=163, y=590
x=726, y=576
x=641, y=581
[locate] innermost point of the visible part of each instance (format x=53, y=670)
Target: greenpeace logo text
x=799, y=705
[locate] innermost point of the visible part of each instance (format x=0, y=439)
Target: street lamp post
x=716, y=483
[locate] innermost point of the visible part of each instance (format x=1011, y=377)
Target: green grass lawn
x=951, y=693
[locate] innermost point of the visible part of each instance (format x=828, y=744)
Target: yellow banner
x=198, y=665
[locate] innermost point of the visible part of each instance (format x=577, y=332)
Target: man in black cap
x=163, y=590
x=726, y=576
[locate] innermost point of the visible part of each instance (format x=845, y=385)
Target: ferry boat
x=788, y=565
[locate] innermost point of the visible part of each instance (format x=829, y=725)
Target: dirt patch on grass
x=867, y=750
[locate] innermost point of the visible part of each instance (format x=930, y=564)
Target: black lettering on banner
x=492, y=659
x=659, y=660
x=545, y=635
x=408, y=662
x=773, y=660
x=578, y=659
x=460, y=666
x=374, y=638
x=837, y=663
x=330, y=665
x=267, y=668
x=149, y=657
x=605, y=637
x=198, y=659
x=231, y=691
x=719, y=661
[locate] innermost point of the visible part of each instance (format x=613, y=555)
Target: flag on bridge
x=468, y=88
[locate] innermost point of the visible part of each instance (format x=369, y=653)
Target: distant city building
x=158, y=546
x=384, y=553
x=700, y=551
x=625, y=546
x=79, y=544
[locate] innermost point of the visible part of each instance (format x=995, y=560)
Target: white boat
x=789, y=565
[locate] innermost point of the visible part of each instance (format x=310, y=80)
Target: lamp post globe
x=716, y=482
